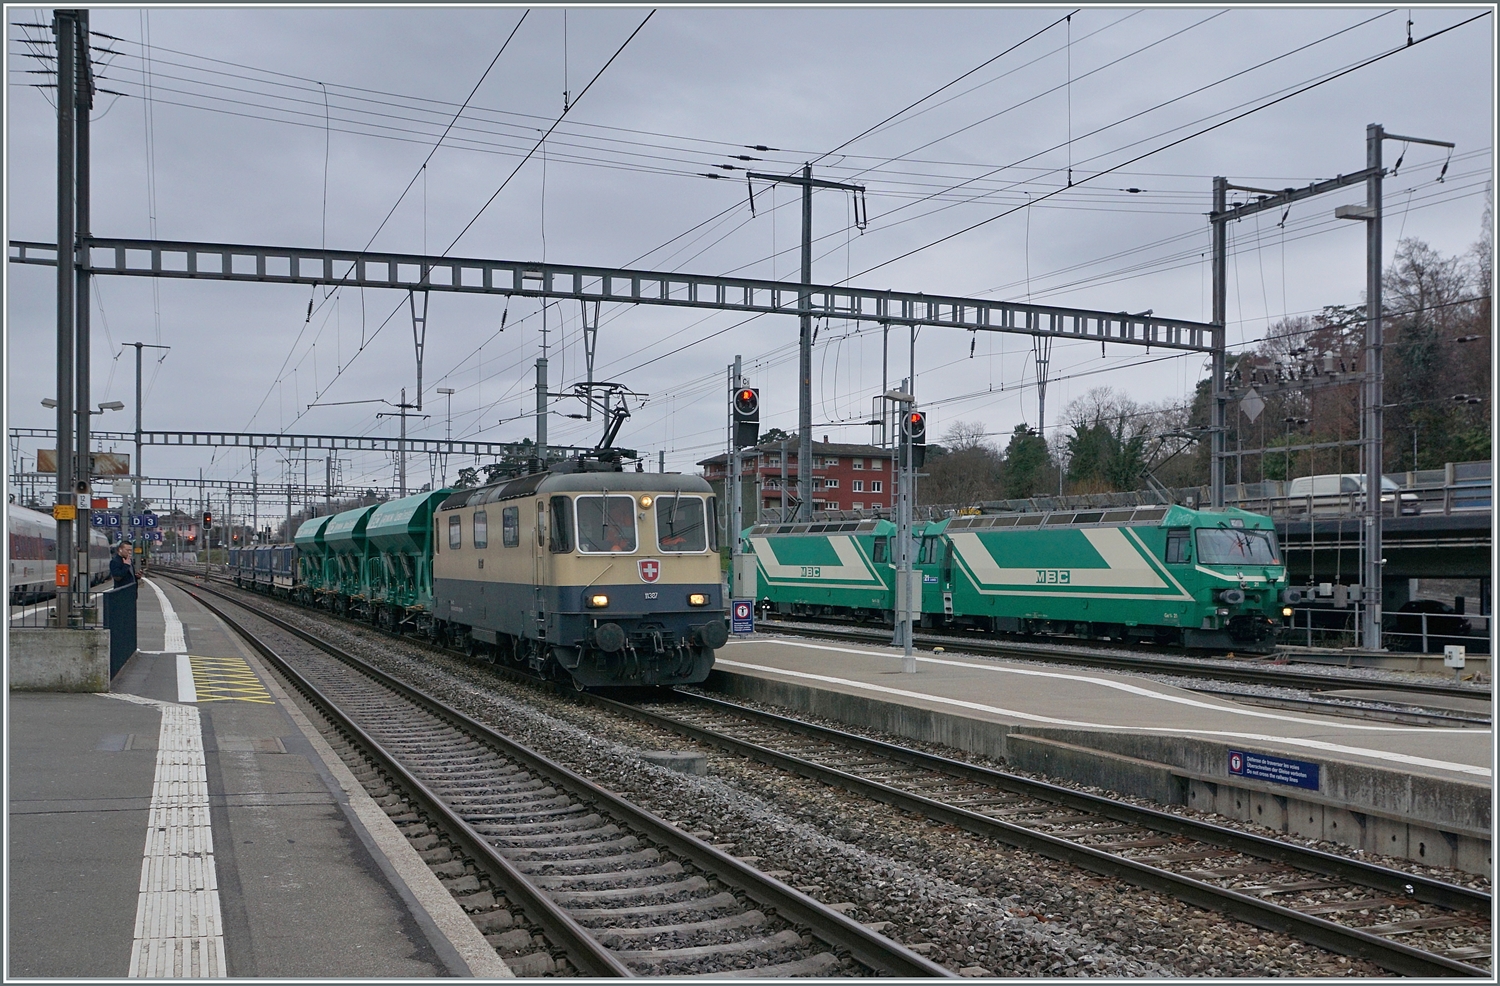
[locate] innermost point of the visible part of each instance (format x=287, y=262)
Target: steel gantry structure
x=78, y=255
x=556, y=281
x=1371, y=378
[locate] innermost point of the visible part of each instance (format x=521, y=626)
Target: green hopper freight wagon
x=1201, y=578
x=345, y=541
x=824, y=568
x=314, y=565
x=399, y=560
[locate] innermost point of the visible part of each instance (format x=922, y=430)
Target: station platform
x=1417, y=792
x=193, y=824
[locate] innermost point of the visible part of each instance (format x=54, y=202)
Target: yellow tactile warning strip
x=227, y=679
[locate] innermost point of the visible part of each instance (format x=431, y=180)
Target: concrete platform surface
x=1422, y=793
x=193, y=824
x=1017, y=694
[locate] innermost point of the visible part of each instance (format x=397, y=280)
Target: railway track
x=1405, y=923
x=562, y=875
x=1217, y=670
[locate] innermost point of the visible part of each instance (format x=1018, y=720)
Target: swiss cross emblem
x=650, y=569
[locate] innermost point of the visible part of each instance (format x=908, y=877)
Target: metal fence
x=1418, y=633
x=87, y=611
x=100, y=608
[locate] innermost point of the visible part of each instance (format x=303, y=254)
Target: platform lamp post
x=136, y=504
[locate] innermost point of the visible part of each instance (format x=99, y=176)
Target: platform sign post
x=742, y=616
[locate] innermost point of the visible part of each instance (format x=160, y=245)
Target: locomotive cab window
x=561, y=532
x=1237, y=546
x=481, y=529
x=510, y=526
x=606, y=524
x=679, y=524
x=455, y=531
x=880, y=551
x=712, y=525
x=1177, y=547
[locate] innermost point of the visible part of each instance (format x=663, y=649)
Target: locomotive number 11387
x=1053, y=576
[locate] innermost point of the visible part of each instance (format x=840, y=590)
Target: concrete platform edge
x=449, y=930
x=1431, y=820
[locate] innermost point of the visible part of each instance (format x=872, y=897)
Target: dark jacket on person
x=120, y=570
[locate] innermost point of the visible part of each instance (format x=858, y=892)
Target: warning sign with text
x=1277, y=770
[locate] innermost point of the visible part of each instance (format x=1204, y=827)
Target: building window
x=858, y=506
x=859, y=485
x=831, y=460
x=455, y=532
x=859, y=463
x=875, y=506
x=876, y=486
x=481, y=529
x=831, y=483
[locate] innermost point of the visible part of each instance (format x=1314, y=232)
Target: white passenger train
x=32, y=555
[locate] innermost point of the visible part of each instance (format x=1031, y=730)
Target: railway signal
x=914, y=436
x=208, y=520
x=746, y=416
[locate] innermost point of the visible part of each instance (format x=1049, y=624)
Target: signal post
x=744, y=430
x=912, y=452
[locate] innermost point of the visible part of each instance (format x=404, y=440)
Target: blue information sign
x=148, y=519
x=153, y=535
x=1277, y=770
x=97, y=518
x=742, y=616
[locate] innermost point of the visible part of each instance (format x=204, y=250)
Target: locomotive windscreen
x=606, y=524
x=1226, y=546
x=679, y=524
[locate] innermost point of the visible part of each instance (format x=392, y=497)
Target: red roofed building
x=845, y=477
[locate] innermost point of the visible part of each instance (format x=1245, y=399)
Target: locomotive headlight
x=597, y=601
x=646, y=502
x=697, y=599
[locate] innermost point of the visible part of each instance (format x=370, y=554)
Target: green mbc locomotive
x=1169, y=574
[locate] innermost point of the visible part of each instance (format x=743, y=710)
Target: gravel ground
x=977, y=907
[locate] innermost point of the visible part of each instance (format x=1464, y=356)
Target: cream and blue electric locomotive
x=584, y=573
x=1170, y=574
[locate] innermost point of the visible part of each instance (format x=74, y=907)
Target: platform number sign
x=742, y=616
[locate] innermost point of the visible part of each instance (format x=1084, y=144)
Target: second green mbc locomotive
x=1168, y=574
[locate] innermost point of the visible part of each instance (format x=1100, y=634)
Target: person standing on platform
x=119, y=565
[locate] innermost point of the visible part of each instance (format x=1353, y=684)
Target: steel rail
x=1391, y=955
x=584, y=951
x=1201, y=669
x=873, y=950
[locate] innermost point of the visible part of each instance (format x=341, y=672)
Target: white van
x=1344, y=492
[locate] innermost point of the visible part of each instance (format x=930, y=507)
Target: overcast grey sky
x=234, y=144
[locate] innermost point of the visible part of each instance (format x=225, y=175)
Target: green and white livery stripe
x=852, y=571
x=1129, y=571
